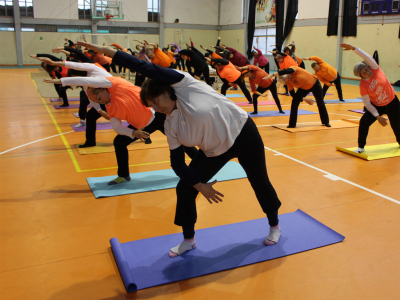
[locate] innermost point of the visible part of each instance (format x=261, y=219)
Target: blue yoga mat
x=145, y=263
x=345, y=101
x=234, y=95
x=154, y=181
x=276, y=113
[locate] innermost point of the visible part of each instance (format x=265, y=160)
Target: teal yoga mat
x=234, y=96
x=154, y=181
x=345, y=101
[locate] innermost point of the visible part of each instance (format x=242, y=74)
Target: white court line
x=296, y=123
x=334, y=177
x=35, y=142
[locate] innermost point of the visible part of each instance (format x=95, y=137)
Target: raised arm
x=151, y=44
x=221, y=61
x=52, y=57
x=367, y=58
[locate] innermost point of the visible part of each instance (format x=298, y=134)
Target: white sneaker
x=81, y=124
x=359, y=150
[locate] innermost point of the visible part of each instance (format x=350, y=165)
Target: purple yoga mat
x=58, y=100
x=360, y=111
x=99, y=126
x=259, y=103
x=276, y=113
x=68, y=107
x=145, y=263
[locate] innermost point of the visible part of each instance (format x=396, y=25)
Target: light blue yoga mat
x=154, y=181
x=276, y=113
x=234, y=96
x=345, y=101
x=145, y=263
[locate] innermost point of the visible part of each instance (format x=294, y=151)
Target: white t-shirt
x=203, y=118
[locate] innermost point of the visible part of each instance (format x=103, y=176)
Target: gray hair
x=358, y=67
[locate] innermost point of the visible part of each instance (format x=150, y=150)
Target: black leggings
x=206, y=74
x=62, y=92
x=266, y=67
x=83, y=104
x=121, y=143
x=298, y=97
x=249, y=149
x=178, y=63
x=91, y=117
x=121, y=68
x=302, y=65
x=393, y=112
x=107, y=67
x=113, y=68
x=262, y=90
x=338, y=86
x=242, y=86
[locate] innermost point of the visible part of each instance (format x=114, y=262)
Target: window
x=6, y=27
x=26, y=8
x=27, y=27
x=6, y=8
x=264, y=39
x=74, y=28
x=84, y=9
x=153, y=10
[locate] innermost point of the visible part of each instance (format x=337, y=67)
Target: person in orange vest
x=158, y=57
x=305, y=82
x=327, y=75
x=378, y=97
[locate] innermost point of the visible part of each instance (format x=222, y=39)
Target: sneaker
x=147, y=141
x=282, y=112
x=233, y=89
x=254, y=113
x=85, y=145
x=64, y=105
x=81, y=124
x=359, y=150
x=328, y=125
x=119, y=180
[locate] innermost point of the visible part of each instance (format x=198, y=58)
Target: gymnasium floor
x=55, y=234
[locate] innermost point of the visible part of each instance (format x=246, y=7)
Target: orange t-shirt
x=161, y=58
x=100, y=58
x=228, y=72
x=378, y=88
x=171, y=56
x=125, y=103
x=299, y=60
x=287, y=63
x=109, y=59
x=260, y=74
x=301, y=79
x=326, y=72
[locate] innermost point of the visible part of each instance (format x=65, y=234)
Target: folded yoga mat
x=259, y=103
x=234, y=96
x=58, y=100
x=276, y=113
x=109, y=147
x=154, y=180
x=68, y=107
x=313, y=127
x=374, y=152
x=99, y=126
x=361, y=111
x=145, y=263
x=345, y=101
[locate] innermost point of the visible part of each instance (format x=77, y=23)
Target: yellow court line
x=67, y=146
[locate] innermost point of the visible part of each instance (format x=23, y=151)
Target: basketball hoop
x=108, y=17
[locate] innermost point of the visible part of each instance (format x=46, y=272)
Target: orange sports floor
x=55, y=234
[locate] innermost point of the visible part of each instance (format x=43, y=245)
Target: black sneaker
x=147, y=141
x=85, y=145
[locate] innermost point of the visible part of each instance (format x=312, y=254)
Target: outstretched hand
x=347, y=47
x=47, y=60
x=201, y=46
x=98, y=48
x=208, y=191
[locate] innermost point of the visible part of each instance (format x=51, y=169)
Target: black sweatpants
x=121, y=143
x=91, y=117
x=113, y=68
x=62, y=92
x=298, y=97
x=262, y=90
x=266, y=67
x=178, y=63
x=338, y=86
x=206, y=74
x=249, y=149
x=83, y=104
x=393, y=112
x=241, y=83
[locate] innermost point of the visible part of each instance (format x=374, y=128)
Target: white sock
x=186, y=245
x=359, y=150
x=273, y=236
